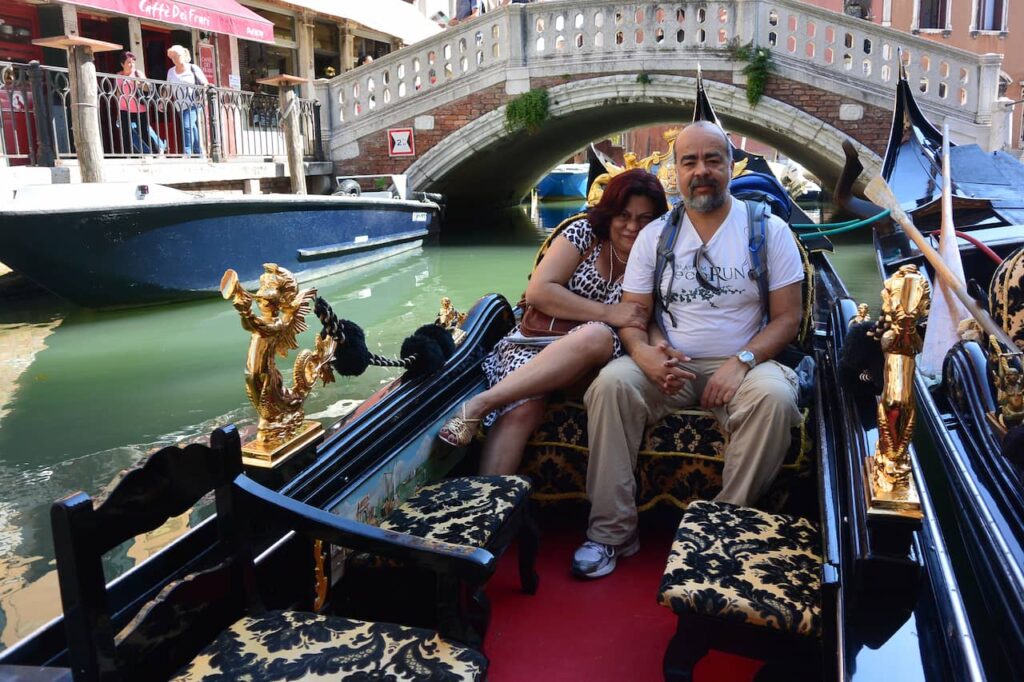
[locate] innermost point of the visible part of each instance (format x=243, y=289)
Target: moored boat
x=971, y=410
x=124, y=244
x=564, y=181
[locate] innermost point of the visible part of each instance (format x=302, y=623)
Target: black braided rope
x=332, y=327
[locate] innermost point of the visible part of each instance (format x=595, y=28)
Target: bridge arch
x=482, y=162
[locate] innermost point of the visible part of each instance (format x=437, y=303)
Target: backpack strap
x=757, y=215
x=665, y=257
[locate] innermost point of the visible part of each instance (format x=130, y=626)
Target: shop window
x=326, y=55
x=990, y=15
x=369, y=47
x=933, y=14
x=284, y=25
x=257, y=60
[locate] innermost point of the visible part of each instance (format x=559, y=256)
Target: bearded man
x=715, y=350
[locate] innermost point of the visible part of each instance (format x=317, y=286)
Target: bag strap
x=757, y=215
x=665, y=257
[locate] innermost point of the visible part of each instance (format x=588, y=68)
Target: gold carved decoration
x=906, y=297
x=1009, y=389
x=320, y=576
x=451, y=319
x=282, y=308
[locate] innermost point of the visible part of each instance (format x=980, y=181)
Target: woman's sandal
x=459, y=431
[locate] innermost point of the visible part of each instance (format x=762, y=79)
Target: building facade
x=981, y=26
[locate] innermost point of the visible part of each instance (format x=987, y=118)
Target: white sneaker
x=594, y=559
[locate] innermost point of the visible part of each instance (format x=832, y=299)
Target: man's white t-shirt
x=710, y=324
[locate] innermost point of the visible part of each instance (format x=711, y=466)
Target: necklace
x=616, y=254
x=612, y=257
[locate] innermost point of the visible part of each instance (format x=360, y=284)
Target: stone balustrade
x=835, y=52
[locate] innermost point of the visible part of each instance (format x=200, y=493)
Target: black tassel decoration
x=351, y=357
x=861, y=363
x=424, y=352
x=429, y=347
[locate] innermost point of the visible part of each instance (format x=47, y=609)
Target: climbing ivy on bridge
x=759, y=65
x=528, y=111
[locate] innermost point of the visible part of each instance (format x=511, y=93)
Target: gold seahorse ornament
x=905, y=299
x=282, y=308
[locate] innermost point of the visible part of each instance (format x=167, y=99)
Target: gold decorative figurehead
x=863, y=314
x=282, y=309
x=905, y=299
x=451, y=319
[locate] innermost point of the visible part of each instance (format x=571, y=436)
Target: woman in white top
x=186, y=99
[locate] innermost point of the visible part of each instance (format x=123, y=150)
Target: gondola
x=975, y=437
x=888, y=598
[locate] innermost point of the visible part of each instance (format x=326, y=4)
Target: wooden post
x=289, y=104
x=85, y=119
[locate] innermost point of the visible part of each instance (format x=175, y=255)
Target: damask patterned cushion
x=680, y=460
x=745, y=566
x=462, y=511
x=1006, y=296
x=289, y=645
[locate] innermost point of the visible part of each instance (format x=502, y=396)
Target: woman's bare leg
x=506, y=439
x=559, y=365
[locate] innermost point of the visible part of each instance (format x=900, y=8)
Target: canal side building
x=235, y=44
x=981, y=26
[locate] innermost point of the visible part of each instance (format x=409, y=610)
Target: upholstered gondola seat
x=469, y=510
x=294, y=645
x=680, y=459
x=485, y=512
x=742, y=580
x=1006, y=296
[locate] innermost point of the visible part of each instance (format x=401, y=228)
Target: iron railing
x=143, y=117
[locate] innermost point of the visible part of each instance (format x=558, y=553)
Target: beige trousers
x=622, y=401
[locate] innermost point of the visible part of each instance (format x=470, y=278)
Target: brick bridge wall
x=872, y=130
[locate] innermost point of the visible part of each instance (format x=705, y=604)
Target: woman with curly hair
x=579, y=278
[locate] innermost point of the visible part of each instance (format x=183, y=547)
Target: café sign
x=212, y=16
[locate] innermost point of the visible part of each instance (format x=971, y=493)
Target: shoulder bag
x=535, y=323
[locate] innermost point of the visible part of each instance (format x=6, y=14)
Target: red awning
x=214, y=16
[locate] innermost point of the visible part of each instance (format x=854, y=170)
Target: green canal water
x=85, y=394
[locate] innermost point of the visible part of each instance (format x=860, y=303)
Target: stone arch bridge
x=609, y=66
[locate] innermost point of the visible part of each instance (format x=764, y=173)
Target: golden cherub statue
x=905, y=298
x=282, y=310
x=451, y=319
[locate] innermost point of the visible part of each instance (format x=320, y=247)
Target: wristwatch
x=747, y=358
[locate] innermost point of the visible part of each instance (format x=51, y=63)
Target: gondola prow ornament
x=283, y=429
x=891, y=490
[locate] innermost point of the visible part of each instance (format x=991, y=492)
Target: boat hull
x=144, y=254
x=564, y=184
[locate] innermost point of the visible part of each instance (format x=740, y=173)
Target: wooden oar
x=880, y=193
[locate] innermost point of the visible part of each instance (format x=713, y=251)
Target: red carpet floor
x=607, y=629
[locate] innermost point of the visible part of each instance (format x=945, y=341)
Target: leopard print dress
x=586, y=281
